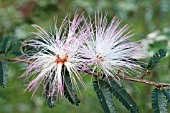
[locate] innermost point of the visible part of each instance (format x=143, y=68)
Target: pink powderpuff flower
x=51, y=51
x=109, y=51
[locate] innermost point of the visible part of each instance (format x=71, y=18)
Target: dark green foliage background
x=144, y=16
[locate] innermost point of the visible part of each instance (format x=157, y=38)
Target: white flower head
x=109, y=49
x=53, y=51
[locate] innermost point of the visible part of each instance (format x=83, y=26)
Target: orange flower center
x=61, y=60
x=99, y=57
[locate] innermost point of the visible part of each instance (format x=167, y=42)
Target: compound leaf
x=166, y=93
x=158, y=101
x=68, y=88
x=50, y=99
x=104, y=96
x=156, y=58
x=3, y=72
x=7, y=44
x=121, y=94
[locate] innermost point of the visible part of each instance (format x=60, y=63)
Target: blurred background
x=150, y=20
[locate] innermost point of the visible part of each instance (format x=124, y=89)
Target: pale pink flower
x=52, y=51
x=109, y=50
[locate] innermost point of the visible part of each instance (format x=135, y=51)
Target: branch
x=157, y=84
x=140, y=80
x=16, y=60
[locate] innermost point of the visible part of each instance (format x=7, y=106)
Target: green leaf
x=16, y=53
x=3, y=72
x=10, y=44
x=166, y=93
x=121, y=94
x=156, y=58
x=7, y=44
x=158, y=101
x=104, y=96
x=68, y=88
x=50, y=99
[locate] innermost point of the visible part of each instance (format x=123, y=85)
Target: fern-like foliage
x=104, y=96
x=166, y=92
x=3, y=72
x=158, y=101
x=68, y=88
x=69, y=92
x=10, y=44
x=50, y=99
x=121, y=94
x=156, y=58
x=6, y=44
